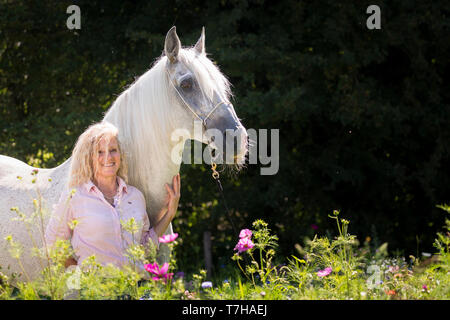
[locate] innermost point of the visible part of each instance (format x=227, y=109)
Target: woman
x=102, y=199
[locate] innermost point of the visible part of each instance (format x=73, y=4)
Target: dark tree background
x=363, y=114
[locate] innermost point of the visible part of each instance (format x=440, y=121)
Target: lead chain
x=215, y=174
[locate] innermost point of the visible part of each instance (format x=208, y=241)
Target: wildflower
x=245, y=233
x=189, y=295
x=168, y=238
x=262, y=293
x=314, y=227
x=324, y=272
x=159, y=273
x=206, y=284
x=424, y=288
x=393, y=269
x=244, y=244
x=390, y=292
x=179, y=274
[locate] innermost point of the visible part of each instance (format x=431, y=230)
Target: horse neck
x=144, y=134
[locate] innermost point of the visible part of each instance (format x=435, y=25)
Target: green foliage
x=347, y=272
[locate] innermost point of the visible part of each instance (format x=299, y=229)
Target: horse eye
x=186, y=84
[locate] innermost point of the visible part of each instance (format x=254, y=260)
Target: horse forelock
x=209, y=76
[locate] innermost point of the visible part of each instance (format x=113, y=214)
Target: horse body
x=146, y=114
x=17, y=190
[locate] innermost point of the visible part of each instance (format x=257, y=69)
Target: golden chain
x=215, y=174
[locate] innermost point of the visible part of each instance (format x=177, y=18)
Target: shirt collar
x=122, y=185
x=90, y=186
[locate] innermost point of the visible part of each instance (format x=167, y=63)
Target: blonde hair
x=87, y=146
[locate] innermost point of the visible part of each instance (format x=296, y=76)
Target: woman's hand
x=170, y=206
x=172, y=197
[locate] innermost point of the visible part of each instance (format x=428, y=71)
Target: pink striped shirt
x=98, y=230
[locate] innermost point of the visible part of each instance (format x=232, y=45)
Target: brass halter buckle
x=215, y=174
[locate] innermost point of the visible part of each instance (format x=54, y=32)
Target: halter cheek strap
x=203, y=120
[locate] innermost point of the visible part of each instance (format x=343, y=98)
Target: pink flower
x=324, y=272
x=168, y=238
x=159, y=273
x=393, y=269
x=244, y=244
x=245, y=233
x=390, y=292
x=425, y=288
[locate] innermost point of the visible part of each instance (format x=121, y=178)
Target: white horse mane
x=145, y=116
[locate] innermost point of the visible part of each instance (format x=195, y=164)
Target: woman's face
x=107, y=161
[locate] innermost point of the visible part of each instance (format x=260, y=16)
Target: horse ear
x=172, y=45
x=200, y=45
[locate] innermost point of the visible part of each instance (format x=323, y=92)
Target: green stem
x=242, y=270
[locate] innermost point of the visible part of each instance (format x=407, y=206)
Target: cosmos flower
x=244, y=244
x=245, y=233
x=324, y=272
x=159, y=273
x=390, y=292
x=168, y=238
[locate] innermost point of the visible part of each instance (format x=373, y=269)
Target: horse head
x=203, y=94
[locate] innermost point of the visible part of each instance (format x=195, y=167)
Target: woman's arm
x=172, y=199
x=70, y=262
x=167, y=213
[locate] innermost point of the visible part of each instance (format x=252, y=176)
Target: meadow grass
x=325, y=268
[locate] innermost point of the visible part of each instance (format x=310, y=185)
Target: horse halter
x=215, y=174
x=203, y=120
